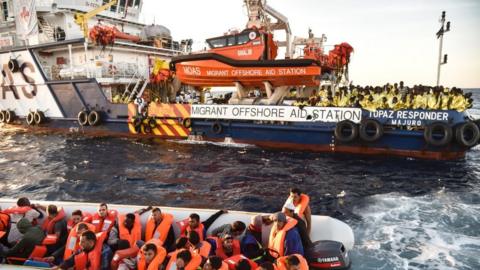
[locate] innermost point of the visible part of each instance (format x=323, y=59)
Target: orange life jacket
x=157, y=261
x=48, y=225
x=220, y=251
x=133, y=235
x=161, y=231
x=192, y=265
x=86, y=217
x=282, y=262
x=93, y=257
x=224, y=266
x=17, y=210
x=276, y=241
x=185, y=228
x=122, y=254
x=204, y=249
x=302, y=205
x=73, y=240
x=232, y=261
x=4, y=224
x=104, y=224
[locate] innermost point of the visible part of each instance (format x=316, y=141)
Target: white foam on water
x=227, y=143
x=435, y=231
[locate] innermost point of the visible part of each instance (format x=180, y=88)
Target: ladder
x=136, y=94
x=47, y=29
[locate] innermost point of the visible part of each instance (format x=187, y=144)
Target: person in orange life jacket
x=292, y=262
x=5, y=225
x=182, y=259
x=200, y=247
x=59, y=227
x=157, y=218
x=77, y=217
x=31, y=236
x=88, y=243
x=243, y=265
x=115, y=236
x=214, y=263
x=302, y=207
x=292, y=243
x=24, y=209
x=266, y=266
x=57, y=256
x=224, y=247
x=104, y=219
x=288, y=209
x=149, y=252
x=201, y=227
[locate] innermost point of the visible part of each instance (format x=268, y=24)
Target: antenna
x=440, y=33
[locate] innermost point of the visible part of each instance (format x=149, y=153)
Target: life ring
x=9, y=117
x=13, y=65
x=217, y=128
x=467, y=134
x=152, y=122
x=432, y=132
x=31, y=118
x=82, y=118
x=346, y=131
x=112, y=70
x=94, y=118
x=2, y=116
x=39, y=117
x=187, y=122
x=370, y=130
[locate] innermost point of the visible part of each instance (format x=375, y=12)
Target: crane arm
x=82, y=18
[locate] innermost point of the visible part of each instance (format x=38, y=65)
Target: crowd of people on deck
x=391, y=97
x=107, y=239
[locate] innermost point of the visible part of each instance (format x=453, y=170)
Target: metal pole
x=439, y=60
x=71, y=60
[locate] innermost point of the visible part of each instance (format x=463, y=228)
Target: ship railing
x=123, y=70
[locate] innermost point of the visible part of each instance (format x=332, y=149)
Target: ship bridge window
x=5, y=10
x=217, y=43
x=231, y=41
x=242, y=39
x=137, y=4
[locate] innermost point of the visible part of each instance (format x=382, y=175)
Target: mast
x=440, y=33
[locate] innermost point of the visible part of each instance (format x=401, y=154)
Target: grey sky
x=393, y=40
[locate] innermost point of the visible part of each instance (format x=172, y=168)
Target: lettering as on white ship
x=276, y=113
x=196, y=71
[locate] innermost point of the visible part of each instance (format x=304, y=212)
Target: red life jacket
x=157, y=261
x=276, y=241
x=133, y=235
x=220, y=251
x=17, y=210
x=161, y=231
x=232, y=262
x=302, y=205
x=204, y=249
x=104, y=224
x=184, y=229
x=122, y=254
x=48, y=225
x=192, y=265
x=86, y=217
x=4, y=224
x=73, y=240
x=282, y=262
x=94, y=257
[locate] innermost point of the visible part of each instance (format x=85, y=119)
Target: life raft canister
x=467, y=134
x=370, y=130
x=438, y=134
x=346, y=131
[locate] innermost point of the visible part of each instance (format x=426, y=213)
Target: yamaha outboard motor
x=327, y=255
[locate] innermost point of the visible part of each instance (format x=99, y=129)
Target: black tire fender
x=340, y=129
x=10, y=117
x=82, y=118
x=435, y=128
x=2, y=116
x=94, y=118
x=39, y=117
x=370, y=125
x=217, y=128
x=187, y=122
x=467, y=134
x=30, y=118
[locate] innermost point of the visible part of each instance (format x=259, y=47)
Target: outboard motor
x=327, y=255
